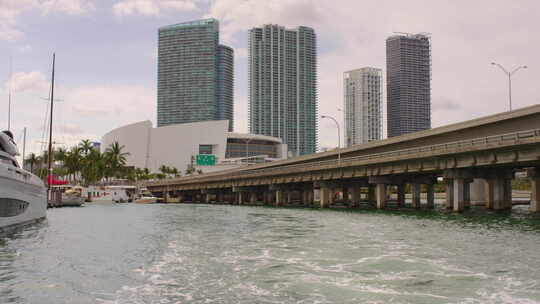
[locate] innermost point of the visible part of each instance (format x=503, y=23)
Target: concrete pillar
x=415, y=191
x=502, y=193
x=207, y=198
x=279, y=197
x=372, y=197
x=535, y=193
x=489, y=187
x=345, y=192
x=401, y=195
x=253, y=198
x=331, y=198
x=356, y=196
x=240, y=198
x=289, y=197
x=310, y=197
x=381, y=196
x=467, y=194
x=325, y=197
x=459, y=194
x=219, y=197
x=478, y=192
x=430, y=196
x=449, y=192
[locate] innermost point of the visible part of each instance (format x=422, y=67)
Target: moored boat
x=23, y=196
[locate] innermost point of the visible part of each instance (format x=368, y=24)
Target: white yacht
x=117, y=194
x=23, y=196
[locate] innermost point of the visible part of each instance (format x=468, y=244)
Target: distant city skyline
x=363, y=100
x=283, y=85
x=106, y=56
x=195, y=74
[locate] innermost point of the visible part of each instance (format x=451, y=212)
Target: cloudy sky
x=106, y=55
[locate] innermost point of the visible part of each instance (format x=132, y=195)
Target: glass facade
x=194, y=74
x=408, y=82
x=283, y=85
x=363, y=105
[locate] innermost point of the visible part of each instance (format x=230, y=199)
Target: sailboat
x=23, y=195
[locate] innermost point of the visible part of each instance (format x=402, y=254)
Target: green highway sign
x=206, y=160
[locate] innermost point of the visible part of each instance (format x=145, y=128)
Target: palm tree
x=86, y=146
x=32, y=160
x=116, y=158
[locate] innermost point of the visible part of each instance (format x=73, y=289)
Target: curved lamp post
x=509, y=74
x=338, y=134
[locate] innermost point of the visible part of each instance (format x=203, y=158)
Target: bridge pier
x=356, y=196
x=535, y=191
x=279, y=197
x=415, y=191
x=459, y=194
x=253, y=197
x=401, y=195
x=449, y=192
x=430, y=196
x=326, y=196
x=381, y=196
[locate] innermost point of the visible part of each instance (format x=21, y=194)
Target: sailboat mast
x=50, y=127
x=24, y=147
x=9, y=93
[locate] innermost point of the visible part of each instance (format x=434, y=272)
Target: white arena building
x=193, y=144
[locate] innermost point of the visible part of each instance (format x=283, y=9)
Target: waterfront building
x=283, y=85
x=408, y=79
x=195, y=74
x=362, y=90
x=206, y=145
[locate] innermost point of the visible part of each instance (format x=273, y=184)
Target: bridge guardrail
x=488, y=141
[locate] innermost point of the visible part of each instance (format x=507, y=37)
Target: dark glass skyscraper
x=283, y=85
x=408, y=80
x=195, y=74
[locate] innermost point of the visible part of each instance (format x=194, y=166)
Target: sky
x=106, y=56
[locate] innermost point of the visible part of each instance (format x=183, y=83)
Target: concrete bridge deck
x=507, y=142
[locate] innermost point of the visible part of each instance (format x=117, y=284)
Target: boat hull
x=23, y=199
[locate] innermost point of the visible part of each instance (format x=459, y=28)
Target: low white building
x=193, y=144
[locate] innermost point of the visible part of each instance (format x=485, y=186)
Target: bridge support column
x=279, y=197
x=288, y=197
x=415, y=189
x=502, y=193
x=535, y=192
x=325, y=196
x=381, y=196
x=467, y=193
x=372, y=197
x=207, y=198
x=449, y=192
x=253, y=198
x=345, y=194
x=219, y=196
x=459, y=195
x=401, y=195
x=240, y=198
x=478, y=192
x=356, y=196
x=430, y=196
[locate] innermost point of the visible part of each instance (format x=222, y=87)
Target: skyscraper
x=195, y=74
x=408, y=78
x=283, y=85
x=362, y=90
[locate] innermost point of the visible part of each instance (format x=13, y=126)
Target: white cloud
x=237, y=16
x=34, y=81
x=70, y=7
x=151, y=7
x=10, y=10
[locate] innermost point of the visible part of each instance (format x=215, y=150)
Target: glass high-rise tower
x=283, y=85
x=408, y=82
x=362, y=90
x=195, y=74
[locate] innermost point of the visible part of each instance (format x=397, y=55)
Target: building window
x=205, y=149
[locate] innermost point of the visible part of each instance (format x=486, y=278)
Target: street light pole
x=338, y=134
x=509, y=74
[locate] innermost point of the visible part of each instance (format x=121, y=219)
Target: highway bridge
x=488, y=150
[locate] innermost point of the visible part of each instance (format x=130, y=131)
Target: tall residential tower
x=283, y=85
x=195, y=74
x=362, y=90
x=408, y=79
